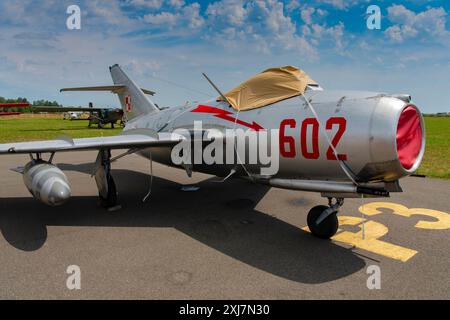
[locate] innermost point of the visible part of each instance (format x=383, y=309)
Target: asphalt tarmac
x=232, y=240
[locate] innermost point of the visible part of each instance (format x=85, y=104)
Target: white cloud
x=398, y=34
x=105, y=12
x=264, y=25
x=336, y=33
x=166, y=18
x=293, y=5
x=186, y=16
x=316, y=31
x=177, y=3
x=306, y=14
x=191, y=14
x=260, y=25
x=340, y=4
x=227, y=12
x=408, y=24
x=11, y=10
x=138, y=67
x=152, y=4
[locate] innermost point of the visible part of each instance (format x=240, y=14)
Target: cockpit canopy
x=268, y=87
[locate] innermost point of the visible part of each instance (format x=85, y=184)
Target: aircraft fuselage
x=362, y=127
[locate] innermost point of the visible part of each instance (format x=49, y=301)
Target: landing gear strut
x=105, y=183
x=322, y=220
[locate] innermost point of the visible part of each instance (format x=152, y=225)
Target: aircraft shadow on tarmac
x=222, y=216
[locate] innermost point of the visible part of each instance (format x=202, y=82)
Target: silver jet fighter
x=341, y=144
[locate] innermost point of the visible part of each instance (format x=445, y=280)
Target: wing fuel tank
x=46, y=182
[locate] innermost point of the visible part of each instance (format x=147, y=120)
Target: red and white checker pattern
x=128, y=105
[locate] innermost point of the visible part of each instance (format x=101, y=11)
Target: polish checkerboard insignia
x=128, y=105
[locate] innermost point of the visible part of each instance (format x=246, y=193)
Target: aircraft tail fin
x=132, y=98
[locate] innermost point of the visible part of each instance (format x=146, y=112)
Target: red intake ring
x=409, y=137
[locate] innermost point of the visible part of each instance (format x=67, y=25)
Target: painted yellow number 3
x=375, y=230
x=441, y=219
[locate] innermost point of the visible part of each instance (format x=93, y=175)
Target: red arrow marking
x=225, y=115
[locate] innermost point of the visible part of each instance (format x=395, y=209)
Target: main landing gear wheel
x=322, y=220
x=107, y=190
x=110, y=201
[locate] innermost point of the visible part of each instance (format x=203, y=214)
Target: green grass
x=26, y=128
x=436, y=161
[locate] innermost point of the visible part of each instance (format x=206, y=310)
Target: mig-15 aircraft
x=341, y=144
x=97, y=116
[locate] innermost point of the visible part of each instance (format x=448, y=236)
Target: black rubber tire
x=111, y=199
x=327, y=228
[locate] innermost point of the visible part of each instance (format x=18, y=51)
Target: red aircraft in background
x=12, y=105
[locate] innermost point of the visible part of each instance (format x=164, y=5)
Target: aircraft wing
x=138, y=139
x=112, y=88
x=14, y=105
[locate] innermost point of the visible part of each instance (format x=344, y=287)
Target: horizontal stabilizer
x=149, y=92
x=111, y=88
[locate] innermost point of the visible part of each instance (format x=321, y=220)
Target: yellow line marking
x=373, y=231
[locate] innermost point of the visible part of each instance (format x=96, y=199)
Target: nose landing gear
x=322, y=220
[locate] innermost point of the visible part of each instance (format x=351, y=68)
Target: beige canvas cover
x=269, y=86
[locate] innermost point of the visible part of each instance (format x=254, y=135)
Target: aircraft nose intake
x=409, y=137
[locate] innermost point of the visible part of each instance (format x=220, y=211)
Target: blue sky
x=166, y=44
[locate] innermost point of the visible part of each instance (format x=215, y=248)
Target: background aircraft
x=342, y=144
x=12, y=105
x=73, y=115
x=99, y=116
